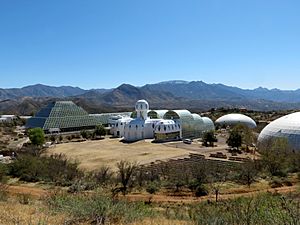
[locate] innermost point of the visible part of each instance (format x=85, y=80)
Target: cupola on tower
x=142, y=108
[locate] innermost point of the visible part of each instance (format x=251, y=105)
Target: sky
x=104, y=43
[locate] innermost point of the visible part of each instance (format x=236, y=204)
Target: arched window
x=165, y=128
x=136, y=126
x=159, y=128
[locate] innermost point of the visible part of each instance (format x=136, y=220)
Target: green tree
x=99, y=131
x=235, y=139
x=209, y=138
x=36, y=136
x=248, y=172
x=248, y=137
x=276, y=156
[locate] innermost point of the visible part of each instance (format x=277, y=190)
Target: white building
x=7, y=118
x=142, y=127
x=163, y=125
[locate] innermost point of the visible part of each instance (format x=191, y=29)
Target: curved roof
x=178, y=114
x=285, y=127
x=208, y=123
x=235, y=118
x=167, y=126
x=157, y=114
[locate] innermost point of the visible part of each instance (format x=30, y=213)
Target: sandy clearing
x=93, y=154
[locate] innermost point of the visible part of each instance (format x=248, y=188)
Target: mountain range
x=194, y=95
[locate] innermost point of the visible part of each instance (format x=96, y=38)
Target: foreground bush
x=96, y=208
x=56, y=168
x=263, y=209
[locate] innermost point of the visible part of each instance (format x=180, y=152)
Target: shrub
x=201, y=191
x=97, y=209
x=55, y=168
x=24, y=199
x=3, y=193
x=3, y=173
x=152, y=187
x=263, y=209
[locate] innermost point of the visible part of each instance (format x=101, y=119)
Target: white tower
x=142, y=107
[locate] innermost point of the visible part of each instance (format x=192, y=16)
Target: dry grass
x=94, y=154
x=161, y=221
x=13, y=212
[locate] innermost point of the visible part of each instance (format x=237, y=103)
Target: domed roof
x=235, y=118
x=208, y=123
x=142, y=105
x=285, y=127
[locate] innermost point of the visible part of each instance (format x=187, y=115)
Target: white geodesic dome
x=236, y=118
x=285, y=127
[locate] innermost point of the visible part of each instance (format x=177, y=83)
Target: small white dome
x=285, y=127
x=142, y=105
x=235, y=118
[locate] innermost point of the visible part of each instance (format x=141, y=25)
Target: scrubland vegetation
x=128, y=193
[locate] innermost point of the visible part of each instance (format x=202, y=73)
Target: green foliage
x=84, y=134
x=277, y=156
x=3, y=173
x=36, y=136
x=264, y=209
x=55, y=168
x=99, y=131
x=201, y=191
x=248, y=172
x=246, y=133
x=235, y=139
x=152, y=187
x=209, y=138
x=3, y=192
x=98, y=209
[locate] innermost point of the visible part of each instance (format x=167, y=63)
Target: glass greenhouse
x=64, y=116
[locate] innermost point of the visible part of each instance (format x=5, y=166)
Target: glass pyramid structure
x=64, y=116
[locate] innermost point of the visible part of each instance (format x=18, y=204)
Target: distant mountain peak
x=174, y=82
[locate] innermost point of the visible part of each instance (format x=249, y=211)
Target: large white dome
x=285, y=127
x=235, y=118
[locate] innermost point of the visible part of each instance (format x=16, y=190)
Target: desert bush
x=104, y=175
x=3, y=192
x=24, y=199
x=280, y=182
x=56, y=168
x=98, y=209
x=125, y=173
x=263, y=209
x=3, y=173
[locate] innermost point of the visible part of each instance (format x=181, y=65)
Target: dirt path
x=159, y=198
x=33, y=191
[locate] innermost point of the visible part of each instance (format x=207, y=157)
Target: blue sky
x=104, y=43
